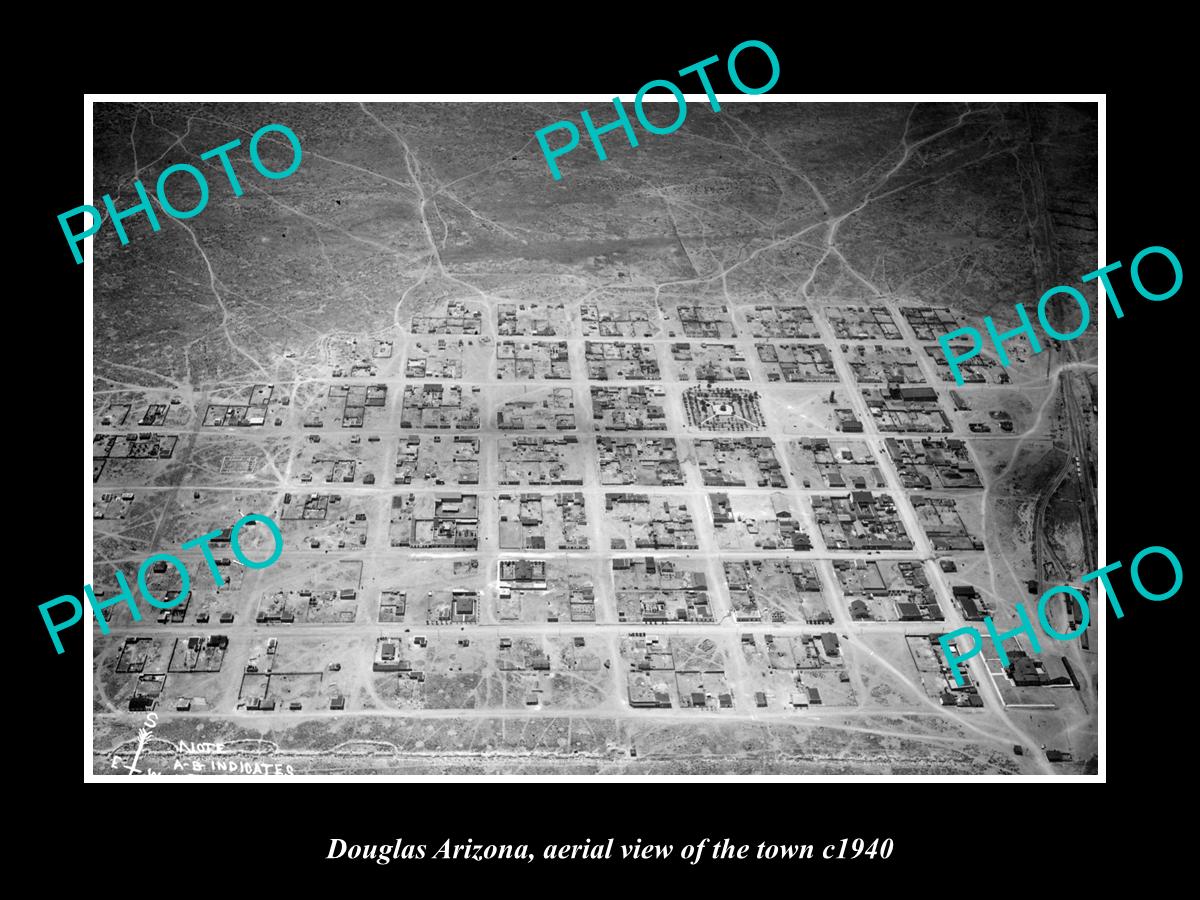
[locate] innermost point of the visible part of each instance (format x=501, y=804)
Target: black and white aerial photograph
x=658, y=468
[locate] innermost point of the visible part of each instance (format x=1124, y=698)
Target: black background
x=955, y=829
